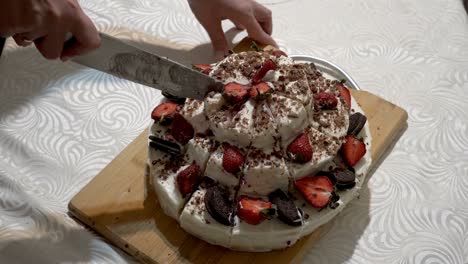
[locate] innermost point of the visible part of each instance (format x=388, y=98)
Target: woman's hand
x=245, y=14
x=46, y=23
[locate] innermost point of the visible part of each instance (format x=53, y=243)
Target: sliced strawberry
x=203, y=68
x=253, y=210
x=300, y=150
x=181, y=130
x=236, y=93
x=164, y=112
x=353, y=150
x=232, y=159
x=266, y=66
x=316, y=190
x=345, y=94
x=279, y=53
x=326, y=101
x=188, y=179
x=260, y=91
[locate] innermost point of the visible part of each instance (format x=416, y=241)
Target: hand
x=46, y=23
x=245, y=14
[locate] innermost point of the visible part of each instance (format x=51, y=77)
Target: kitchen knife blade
x=131, y=63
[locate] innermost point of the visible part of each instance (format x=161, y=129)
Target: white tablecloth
x=60, y=124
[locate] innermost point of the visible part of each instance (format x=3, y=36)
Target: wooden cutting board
x=117, y=205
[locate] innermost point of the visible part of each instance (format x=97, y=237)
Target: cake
x=264, y=162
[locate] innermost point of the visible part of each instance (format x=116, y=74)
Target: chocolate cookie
x=165, y=146
x=287, y=210
x=218, y=205
x=345, y=179
x=356, y=123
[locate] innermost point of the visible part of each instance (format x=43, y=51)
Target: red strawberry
x=316, y=190
x=203, y=68
x=344, y=93
x=353, y=150
x=188, y=179
x=232, y=159
x=260, y=91
x=300, y=150
x=279, y=53
x=326, y=101
x=266, y=66
x=235, y=92
x=164, y=112
x=253, y=210
x=181, y=130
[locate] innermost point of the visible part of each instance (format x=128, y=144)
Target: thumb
x=218, y=39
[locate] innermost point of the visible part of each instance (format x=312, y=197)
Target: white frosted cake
x=257, y=166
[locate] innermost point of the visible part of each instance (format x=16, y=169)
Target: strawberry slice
x=254, y=210
x=266, y=66
x=233, y=160
x=260, y=91
x=353, y=150
x=317, y=190
x=181, y=130
x=326, y=101
x=235, y=93
x=164, y=112
x=203, y=68
x=279, y=53
x=300, y=150
x=345, y=94
x=188, y=179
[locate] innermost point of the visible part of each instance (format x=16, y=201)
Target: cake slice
x=176, y=177
x=263, y=173
x=324, y=148
x=208, y=214
x=290, y=116
x=226, y=164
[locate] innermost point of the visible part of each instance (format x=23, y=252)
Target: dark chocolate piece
x=346, y=186
x=356, y=123
x=164, y=145
x=207, y=182
x=218, y=205
x=287, y=210
x=334, y=201
x=173, y=98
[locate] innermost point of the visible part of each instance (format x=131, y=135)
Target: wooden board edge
x=131, y=147
x=108, y=235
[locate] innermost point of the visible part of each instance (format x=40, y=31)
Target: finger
x=218, y=39
x=27, y=38
x=256, y=32
x=264, y=18
x=51, y=45
x=86, y=38
x=238, y=25
x=21, y=40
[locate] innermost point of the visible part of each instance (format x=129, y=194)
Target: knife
x=131, y=63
